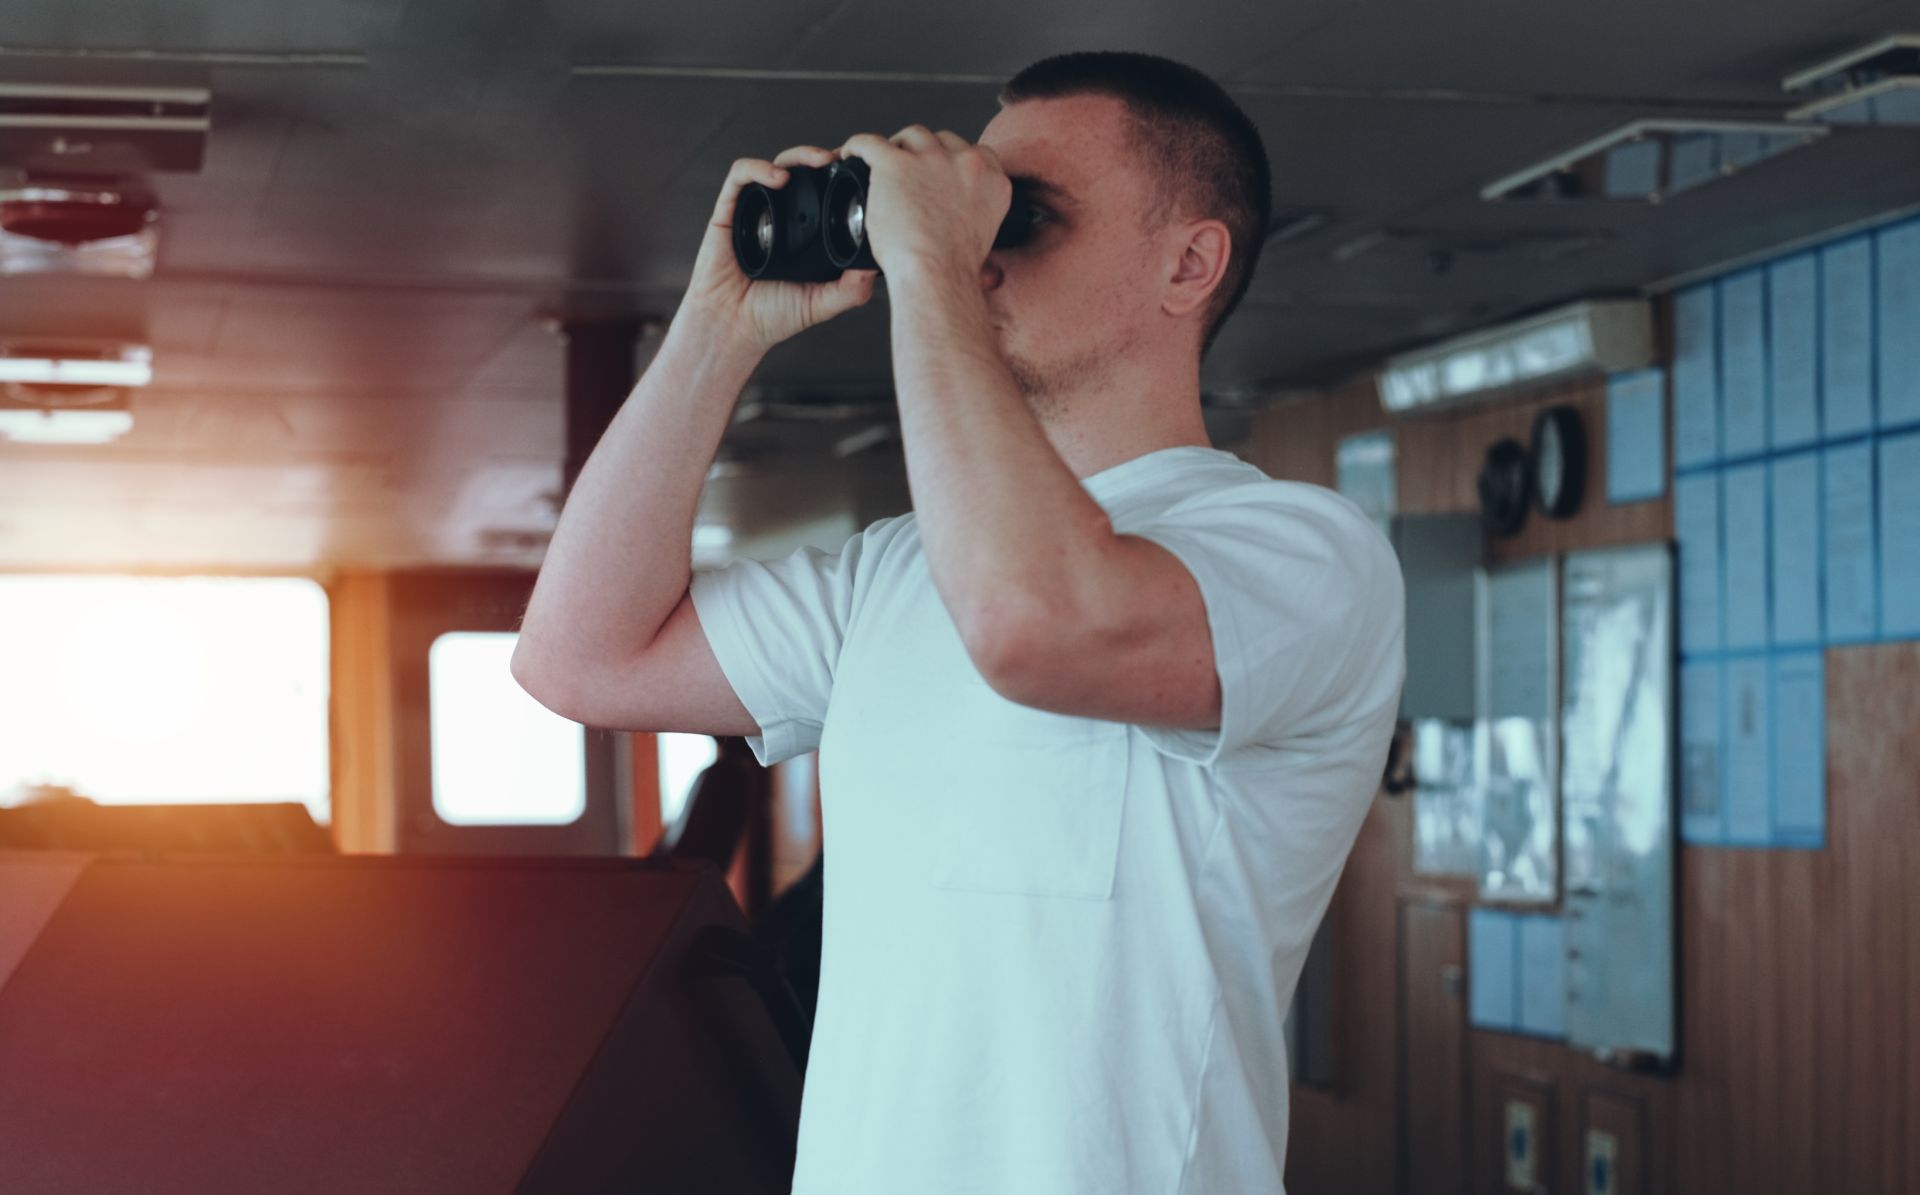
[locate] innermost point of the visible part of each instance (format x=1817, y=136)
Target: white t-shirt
x=1058, y=951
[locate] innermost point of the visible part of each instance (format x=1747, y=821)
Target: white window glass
x=144, y=690
x=682, y=757
x=499, y=756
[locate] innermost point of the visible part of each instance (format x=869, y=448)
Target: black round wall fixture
x=1559, y=461
x=1506, y=486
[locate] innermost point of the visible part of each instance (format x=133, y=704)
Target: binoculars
x=815, y=227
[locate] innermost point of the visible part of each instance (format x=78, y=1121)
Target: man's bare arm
x=610, y=637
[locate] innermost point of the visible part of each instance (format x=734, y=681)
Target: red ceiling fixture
x=73, y=214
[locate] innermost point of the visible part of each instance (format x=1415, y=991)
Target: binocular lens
x=847, y=215
x=815, y=227
x=753, y=230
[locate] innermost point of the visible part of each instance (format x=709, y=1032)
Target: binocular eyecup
x=815, y=228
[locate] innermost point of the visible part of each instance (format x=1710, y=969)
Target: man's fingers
x=917, y=137
x=805, y=155
x=744, y=171
x=852, y=289
x=868, y=147
x=953, y=141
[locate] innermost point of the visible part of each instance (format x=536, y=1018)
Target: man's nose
x=991, y=275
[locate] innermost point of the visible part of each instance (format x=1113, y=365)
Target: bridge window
x=682, y=758
x=143, y=690
x=499, y=756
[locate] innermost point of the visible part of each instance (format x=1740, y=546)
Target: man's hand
x=934, y=200
x=755, y=316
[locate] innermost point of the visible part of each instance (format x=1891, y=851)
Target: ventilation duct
x=1597, y=337
x=1878, y=83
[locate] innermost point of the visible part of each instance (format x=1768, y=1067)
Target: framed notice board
x=1616, y=785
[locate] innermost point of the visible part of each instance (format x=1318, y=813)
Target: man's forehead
x=1071, y=142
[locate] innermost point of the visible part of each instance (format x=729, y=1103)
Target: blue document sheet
x=1746, y=752
x=1900, y=537
x=1793, y=485
x=1696, y=378
x=1849, y=586
x=1636, y=436
x=1492, y=951
x=1543, y=976
x=1744, y=556
x=1793, y=349
x=1700, y=817
x=1696, y=527
x=1800, y=749
x=1743, y=365
x=1846, y=338
x=1898, y=328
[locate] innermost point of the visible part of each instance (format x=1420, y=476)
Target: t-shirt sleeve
x=1306, y=606
x=776, y=628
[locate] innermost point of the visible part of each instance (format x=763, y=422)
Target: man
x=1100, y=719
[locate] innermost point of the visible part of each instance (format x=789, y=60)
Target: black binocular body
x=815, y=228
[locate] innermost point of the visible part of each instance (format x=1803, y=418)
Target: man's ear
x=1197, y=271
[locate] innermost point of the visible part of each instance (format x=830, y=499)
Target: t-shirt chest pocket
x=1028, y=802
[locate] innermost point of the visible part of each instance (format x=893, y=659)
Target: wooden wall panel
x=1433, y=1069
x=1873, y=703
x=1800, y=1059
x=364, y=766
x=1363, y=1107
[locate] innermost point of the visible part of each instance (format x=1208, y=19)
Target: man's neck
x=1095, y=431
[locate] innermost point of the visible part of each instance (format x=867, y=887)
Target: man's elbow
x=1013, y=653
x=541, y=682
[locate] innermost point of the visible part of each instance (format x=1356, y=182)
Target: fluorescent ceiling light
x=118, y=257
x=1651, y=160
x=1879, y=83
x=64, y=427
x=1606, y=337
x=131, y=365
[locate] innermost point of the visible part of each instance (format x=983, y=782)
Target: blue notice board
x=1743, y=365
x=1897, y=323
x=1800, y=749
x=1899, y=469
x=1846, y=338
x=1793, y=484
x=1696, y=378
x=1746, y=751
x=1849, y=577
x=1696, y=526
x=1636, y=436
x=1793, y=345
x=1744, y=543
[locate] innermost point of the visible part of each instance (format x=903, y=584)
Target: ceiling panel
x=313, y=25
x=1627, y=48
x=998, y=37
x=351, y=362
x=734, y=33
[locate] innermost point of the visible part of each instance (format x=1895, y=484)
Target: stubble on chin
x=1036, y=386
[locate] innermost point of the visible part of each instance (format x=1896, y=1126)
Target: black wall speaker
x=389, y=1024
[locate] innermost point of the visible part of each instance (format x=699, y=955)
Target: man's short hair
x=1205, y=154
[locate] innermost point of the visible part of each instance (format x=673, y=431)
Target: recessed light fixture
x=78, y=228
x=27, y=425
x=66, y=364
x=1879, y=83
x=1652, y=160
